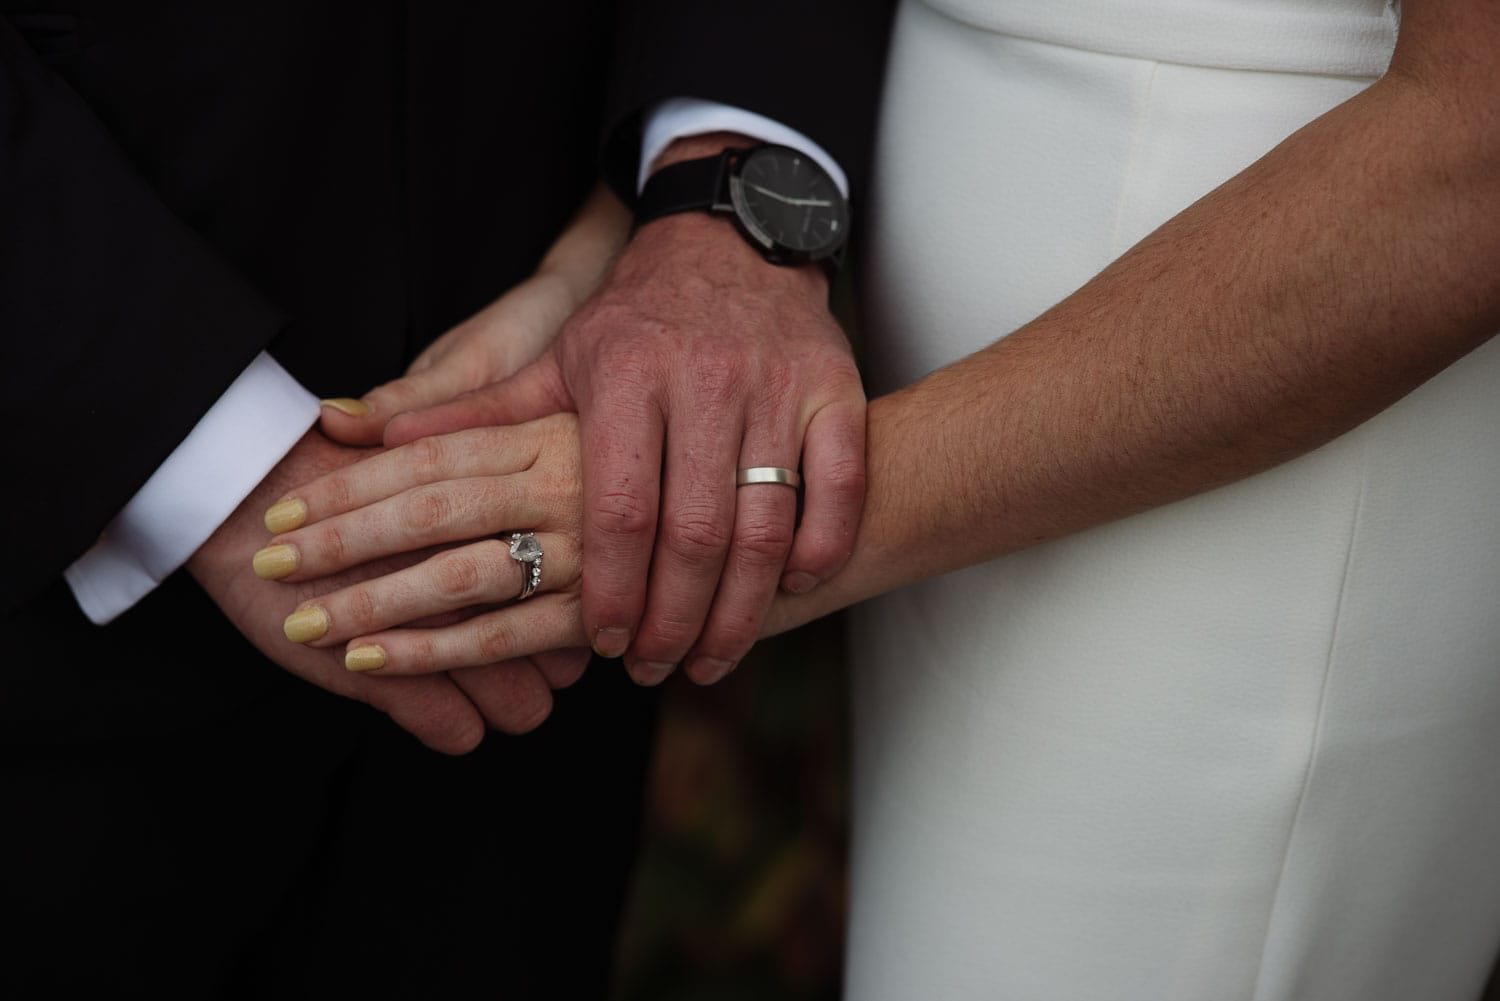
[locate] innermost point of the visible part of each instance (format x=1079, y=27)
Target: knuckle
x=420, y=652
x=426, y=454
x=676, y=625
x=696, y=538
x=426, y=509
x=822, y=553
x=622, y=513
x=338, y=493
x=561, y=482
x=495, y=639
x=334, y=545
x=719, y=376
x=457, y=576
x=630, y=362
x=845, y=481
x=838, y=376
x=763, y=544
x=361, y=609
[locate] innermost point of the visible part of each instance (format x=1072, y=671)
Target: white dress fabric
x=1245, y=747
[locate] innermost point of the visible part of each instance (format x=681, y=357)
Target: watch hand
x=790, y=201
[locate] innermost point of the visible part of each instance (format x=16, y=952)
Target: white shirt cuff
x=688, y=116
x=243, y=436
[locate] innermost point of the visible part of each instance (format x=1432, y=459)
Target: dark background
x=739, y=891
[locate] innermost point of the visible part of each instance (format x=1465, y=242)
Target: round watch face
x=789, y=204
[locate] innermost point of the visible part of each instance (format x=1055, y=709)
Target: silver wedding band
x=525, y=550
x=768, y=474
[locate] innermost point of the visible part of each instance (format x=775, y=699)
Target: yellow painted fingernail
x=306, y=625
x=276, y=562
x=287, y=515
x=364, y=658
x=348, y=405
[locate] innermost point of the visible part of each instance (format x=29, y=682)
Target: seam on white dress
x=1317, y=737
x=1132, y=154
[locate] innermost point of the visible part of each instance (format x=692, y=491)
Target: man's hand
x=490, y=345
x=501, y=338
x=694, y=359
x=432, y=708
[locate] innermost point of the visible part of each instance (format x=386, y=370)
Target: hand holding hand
x=483, y=484
x=694, y=359
x=433, y=709
x=501, y=338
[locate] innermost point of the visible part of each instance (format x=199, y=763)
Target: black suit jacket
x=183, y=185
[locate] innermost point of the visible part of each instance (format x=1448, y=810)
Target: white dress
x=1246, y=746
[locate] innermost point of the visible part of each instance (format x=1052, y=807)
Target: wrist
x=699, y=146
x=712, y=246
x=578, y=260
x=781, y=202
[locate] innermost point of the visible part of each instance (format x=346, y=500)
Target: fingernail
x=306, y=625
x=287, y=515
x=650, y=672
x=348, y=405
x=611, y=641
x=365, y=658
x=276, y=562
x=798, y=582
x=707, y=670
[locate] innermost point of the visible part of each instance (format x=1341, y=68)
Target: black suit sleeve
x=119, y=327
x=814, y=65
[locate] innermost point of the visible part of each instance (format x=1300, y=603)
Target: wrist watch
x=780, y=199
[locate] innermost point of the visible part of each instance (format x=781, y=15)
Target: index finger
x=463, y=454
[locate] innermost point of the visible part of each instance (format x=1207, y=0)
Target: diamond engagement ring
x=525, y=550
x=768, y=474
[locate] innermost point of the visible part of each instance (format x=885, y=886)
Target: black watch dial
x=788, y=204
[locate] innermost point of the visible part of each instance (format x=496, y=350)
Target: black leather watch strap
x=688, y=186
x=702, y=185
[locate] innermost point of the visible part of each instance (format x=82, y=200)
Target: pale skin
x=1333, y=276
x=449, y=713
x=794, y=353
x=435, y=709
x=695, y=357
x=469, y=490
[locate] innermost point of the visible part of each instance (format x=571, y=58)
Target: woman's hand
x=500, y=339
x=432, y=709
x=474, y=487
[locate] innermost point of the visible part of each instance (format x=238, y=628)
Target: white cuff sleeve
x=242, y=437
x=688, y=116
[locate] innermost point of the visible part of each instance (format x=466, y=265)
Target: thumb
x=362, y=421
x=535, y=391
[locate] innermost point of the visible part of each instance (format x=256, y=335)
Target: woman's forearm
x=1333, y=276
x=582, y=253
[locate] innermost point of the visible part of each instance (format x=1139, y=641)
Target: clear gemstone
x=526, y=549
